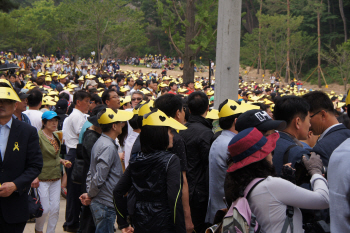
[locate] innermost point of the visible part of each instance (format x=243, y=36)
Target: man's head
x=321, y=111
x=8, y=99
x=35, y=97
x=136, y=97
x=81, y=100
x=130, y=81
x=94, y=101
x=190, y=84
x=12, y=78
x=227, y=122
x=120, y=82
x=115, y=127
x=111, y=99
x=22, y=106
x=172, y=106
x=138, y=84
x=295, y=112
x=173, y=87
x=198, y=103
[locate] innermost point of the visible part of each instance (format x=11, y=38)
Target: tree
x=340, y=58
x=191, y=26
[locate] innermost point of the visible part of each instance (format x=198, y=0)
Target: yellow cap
x=6, y=82
x=46, y=101
x=48, y=78
x=212, y=114
x=8, y=93
x=81, y=78
x=111, y=116
x=158, y=118
x=210, y=93
x=232, y=107
x=165, y=78
x=146, y=108
x=163, y=85
x=125, y=100
x=123, y=89
x=39, y=74
x=145, y=91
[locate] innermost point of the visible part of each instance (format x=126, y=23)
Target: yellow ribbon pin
x=16, y=146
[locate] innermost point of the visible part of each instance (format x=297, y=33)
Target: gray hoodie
x=105, y=171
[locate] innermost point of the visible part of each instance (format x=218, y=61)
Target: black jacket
x=157, y=182
x=22, y=164
x=197, y=137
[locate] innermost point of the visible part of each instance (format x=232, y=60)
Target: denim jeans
x=104, y=217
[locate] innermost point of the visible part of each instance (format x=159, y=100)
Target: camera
x=301, y=174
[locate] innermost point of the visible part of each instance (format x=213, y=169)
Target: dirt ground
x=250, y=75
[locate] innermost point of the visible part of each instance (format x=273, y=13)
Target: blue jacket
x=295, y=153
x=330, y=141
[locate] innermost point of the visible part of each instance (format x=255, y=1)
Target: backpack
x=240, y=219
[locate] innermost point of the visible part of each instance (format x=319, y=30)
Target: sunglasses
x=134, y=99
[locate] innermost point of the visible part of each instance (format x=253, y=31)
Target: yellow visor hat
x=146, y=108
x=212, y=114
x=232, y=107
x=8, y=93
x=125, y=100
x=158, y=118
x=111, y=116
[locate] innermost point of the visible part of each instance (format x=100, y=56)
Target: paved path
x=59, y=229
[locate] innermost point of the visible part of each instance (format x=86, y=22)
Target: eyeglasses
x=134, y=99
x=316, y=113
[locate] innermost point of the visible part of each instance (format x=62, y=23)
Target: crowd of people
x=152, y=154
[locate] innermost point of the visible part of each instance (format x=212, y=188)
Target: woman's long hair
x=237, y=181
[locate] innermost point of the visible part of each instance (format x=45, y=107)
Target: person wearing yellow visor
x=160, y=169
x=105, y=169
x=20, y=160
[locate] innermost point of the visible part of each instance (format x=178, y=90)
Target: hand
x=122, y=155
x=35, y=183
x=85, y=199
x=7, y=189
x=314, y=164
x=189, y=227
x=128, y=229
x=66, y=163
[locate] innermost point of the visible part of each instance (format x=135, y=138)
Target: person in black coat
x=198, y=140
x=20, y=163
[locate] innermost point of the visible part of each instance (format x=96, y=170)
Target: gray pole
x=227, y=51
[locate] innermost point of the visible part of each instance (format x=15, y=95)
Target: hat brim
x=93, y=120
x=272, y=124
x=259, y=155
x=23, y=96
x=50, y=118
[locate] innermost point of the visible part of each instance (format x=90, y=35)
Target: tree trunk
x=288, y=42
x=341, y=9
x=188, y=72
x=319, y=46
x=259, y=58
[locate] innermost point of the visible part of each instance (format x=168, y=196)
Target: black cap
x=258, y=119
x=21, y=94
x=93, y=120
x=62, y=104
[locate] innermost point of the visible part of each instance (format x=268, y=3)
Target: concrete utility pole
x=227, y=51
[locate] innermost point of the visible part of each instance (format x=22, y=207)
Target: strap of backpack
x=286, y=154
x=289, y=220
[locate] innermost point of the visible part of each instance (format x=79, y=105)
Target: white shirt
x=4, y=135
x=35, y=118
x=72, y=127
x=129, y=142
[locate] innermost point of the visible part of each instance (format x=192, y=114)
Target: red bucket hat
x=249, y=146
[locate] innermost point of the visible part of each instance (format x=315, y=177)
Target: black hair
x=165, y=89
x=169, y=104
x=289, y=107
x=34, y=98
x=344, y=118
x=80, y=95
x=139, y=82
x=119, y=79
x=134, y=122
x=44, y=123
x=121, y=137
x=172, y=84
x=128, y=79
x=105, y=95
x=97, y=109
x=318, y=100
x=64, y=95
x=237, y=181
x=267, y=90
x=227, y=122
x=96, y=99
x=148, y=82
x=198, y=103
x=154, y=138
